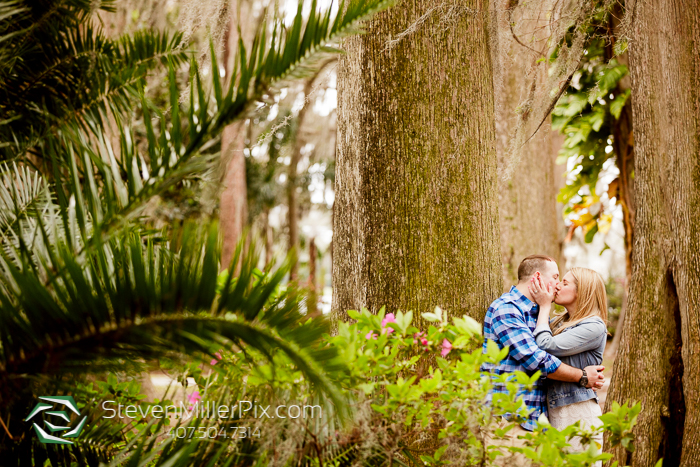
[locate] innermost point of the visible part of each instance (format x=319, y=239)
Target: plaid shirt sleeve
x=511, y=330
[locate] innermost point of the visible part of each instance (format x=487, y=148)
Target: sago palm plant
x=86, y=282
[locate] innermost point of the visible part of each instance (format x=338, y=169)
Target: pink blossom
x=420, y=336
x=216, y=360
x=446, y=347
x=389, y=318
x=417, y=335
x=194, y=397
x=371, y=335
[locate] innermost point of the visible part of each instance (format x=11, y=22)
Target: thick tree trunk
x=416, y=207
x=530, y=218
x=623, y=145
x=659, y=358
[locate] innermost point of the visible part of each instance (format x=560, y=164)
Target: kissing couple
x=567, y=348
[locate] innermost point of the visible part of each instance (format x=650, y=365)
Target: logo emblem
x=65, y=401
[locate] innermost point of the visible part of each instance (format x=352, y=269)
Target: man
x=510, y=321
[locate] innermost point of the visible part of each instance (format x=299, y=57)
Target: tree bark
x=623, y=145
x=660, y=345
x=530, y=217
x=267, y=233
x=312, y=297
x=233, y=208
x=416, y=207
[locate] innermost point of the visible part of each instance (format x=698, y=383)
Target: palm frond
x=58, y=68
x=131, y=300
x=296, y=51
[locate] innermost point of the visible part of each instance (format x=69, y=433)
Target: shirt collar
x=517, y=298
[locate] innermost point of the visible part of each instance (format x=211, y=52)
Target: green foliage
x=617, y=421
x=58, y=68
x=586, y=115
x=412, y=396
x=400, y=384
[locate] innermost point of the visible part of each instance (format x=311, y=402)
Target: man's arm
x=511, y=331
x=573, y=375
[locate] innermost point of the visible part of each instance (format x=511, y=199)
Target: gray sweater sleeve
x=583, y=337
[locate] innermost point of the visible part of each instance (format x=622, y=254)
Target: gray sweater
x=579, y=346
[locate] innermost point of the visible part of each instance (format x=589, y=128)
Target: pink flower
x=419, y=336
x=194, y=397
x=446, y=347
x=389, y=318
x=216, y=360
x=371, y=335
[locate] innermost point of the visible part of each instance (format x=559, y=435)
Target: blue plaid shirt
x=510, y=321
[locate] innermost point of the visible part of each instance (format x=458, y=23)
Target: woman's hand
x=543, y=295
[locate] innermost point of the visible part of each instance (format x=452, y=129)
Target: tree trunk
x=267, y=233
x=234, y=198
x=623, y=145
x=530, y=217
x=292, y=180
x=312, y=300
x=659, y=358
x=233, y=208
x=416, y=207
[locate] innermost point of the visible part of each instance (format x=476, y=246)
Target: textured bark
x=659, y=358
x=416, y=213
x=530, y=217
x=312, y=300
x=623, y=146
x=234, y=198
x=623, y=141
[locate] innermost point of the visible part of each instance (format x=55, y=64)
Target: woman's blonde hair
x=590, y=297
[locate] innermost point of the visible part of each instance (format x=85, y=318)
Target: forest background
x=415, y=170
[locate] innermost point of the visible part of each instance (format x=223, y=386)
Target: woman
x=577, y=338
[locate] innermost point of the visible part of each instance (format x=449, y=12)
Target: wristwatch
x=583, y=382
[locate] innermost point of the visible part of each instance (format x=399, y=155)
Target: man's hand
x=595, y=375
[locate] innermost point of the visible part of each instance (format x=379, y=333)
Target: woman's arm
x=585, y=336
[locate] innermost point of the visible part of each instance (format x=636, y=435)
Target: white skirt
x=587, y=412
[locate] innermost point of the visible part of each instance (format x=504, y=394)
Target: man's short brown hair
x=532, y=264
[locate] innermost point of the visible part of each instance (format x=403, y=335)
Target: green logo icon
x=62, y=415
